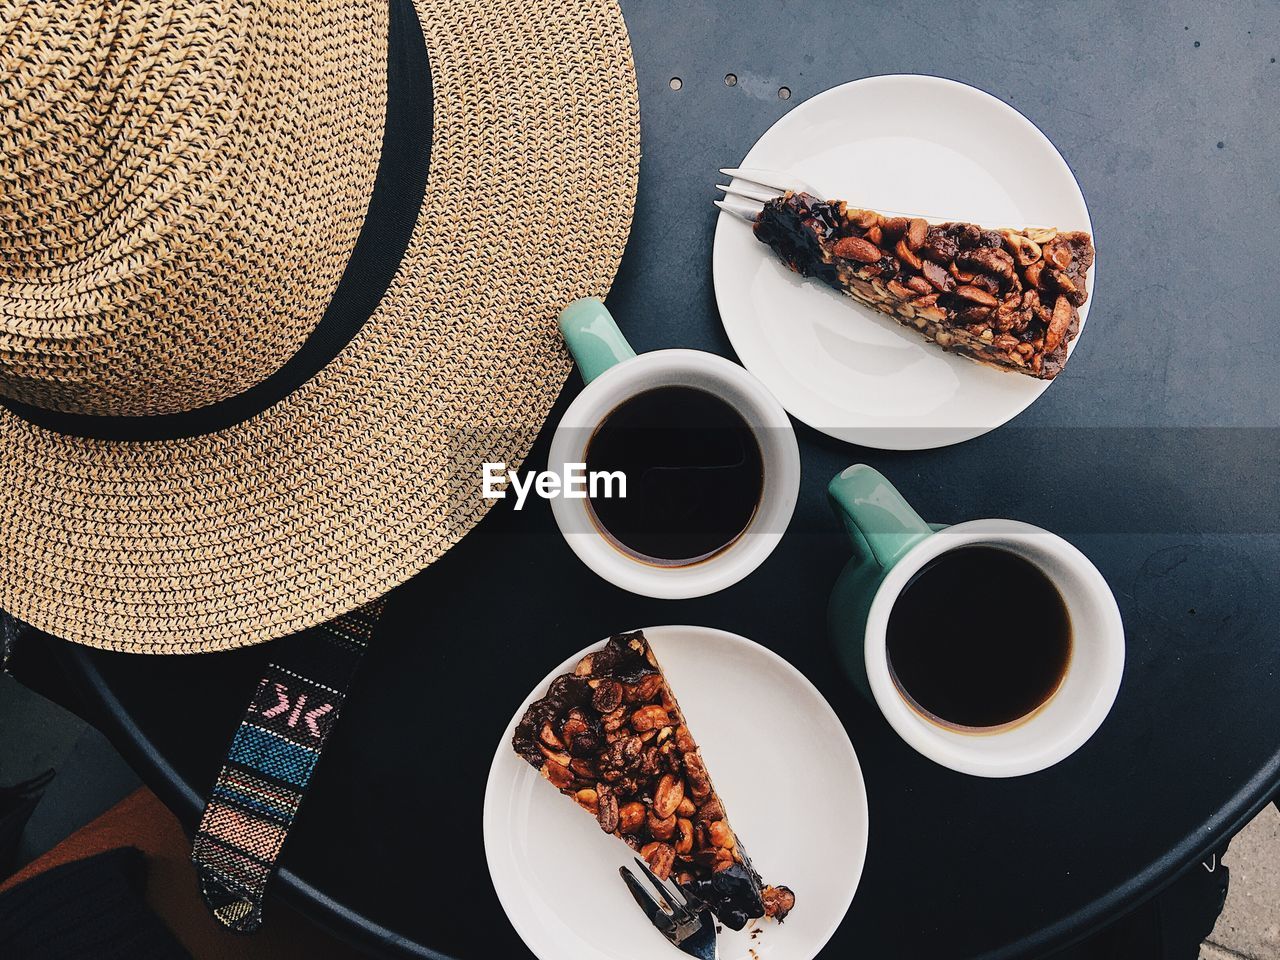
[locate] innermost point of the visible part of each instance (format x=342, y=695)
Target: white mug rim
x=941, y=744
x=630, y=377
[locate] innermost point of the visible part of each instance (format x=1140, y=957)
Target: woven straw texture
x=182, y=185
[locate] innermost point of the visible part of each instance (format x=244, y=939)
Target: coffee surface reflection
x=979, y=638
x=694, y=472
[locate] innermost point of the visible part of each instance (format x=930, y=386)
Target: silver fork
x=753, y=187
x=677, y=918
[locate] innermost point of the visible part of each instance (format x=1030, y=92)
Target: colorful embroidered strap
x=269, y=764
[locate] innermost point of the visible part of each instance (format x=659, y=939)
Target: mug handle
x=593, y=337
x=875, y=515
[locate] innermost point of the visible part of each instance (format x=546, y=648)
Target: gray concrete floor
x=36, y=735
x=1250, y=922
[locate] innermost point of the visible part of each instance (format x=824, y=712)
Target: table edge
x=340, y=920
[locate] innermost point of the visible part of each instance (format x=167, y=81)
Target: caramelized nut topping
x=611, y=736
x=696, y=771
x=555, y=756
x=684, y=835
x=778, y=902
x=615, y=719
x=938, y=277
x=907, y=255
x=606, y=809
x=980, y=277
x=684, y=742
x=645, y=690
x=895, y=225
x=899, y=290
x=668, y=795
x=1058, y=252
x=1064, y=314
x=560, y=777
x=607, y=697
x=916, y=231
x=864, y=219
x=662, y=828
x=584, y=768
x=711, y=810
x=919, y=285
x=631, y=817
x=720, y=834
x=660, y=857
x=977, y=295
x=856, y=248
x=649, y=718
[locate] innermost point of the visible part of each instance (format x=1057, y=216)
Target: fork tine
x=644, y=899
x=739, y=208
x=781, y=182
x=766, y=178
x=751, y=193
x=670, y=892
x=770, y=178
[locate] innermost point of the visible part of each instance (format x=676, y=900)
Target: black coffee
x=694, y=475
x=979, y=637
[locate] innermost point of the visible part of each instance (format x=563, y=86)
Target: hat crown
x=173, y=534
x=178, y=201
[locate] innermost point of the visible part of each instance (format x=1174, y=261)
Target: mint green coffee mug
x=613, y=373
x=891, y=544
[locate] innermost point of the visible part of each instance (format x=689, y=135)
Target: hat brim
x=370, y=470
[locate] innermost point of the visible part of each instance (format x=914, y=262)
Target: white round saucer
x=903, y=143
x=781, y=761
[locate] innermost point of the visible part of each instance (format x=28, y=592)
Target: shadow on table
x=1170, y=927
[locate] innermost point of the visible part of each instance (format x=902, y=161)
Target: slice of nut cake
x=1007, y=298
x=611, y=736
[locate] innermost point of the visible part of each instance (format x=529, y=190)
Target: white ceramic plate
x=780, y=759
x=906, y=143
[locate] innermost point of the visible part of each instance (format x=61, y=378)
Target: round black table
x=1156, y=453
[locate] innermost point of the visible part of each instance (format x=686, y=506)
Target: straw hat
x=276, y=279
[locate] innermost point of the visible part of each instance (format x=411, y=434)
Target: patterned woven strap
x=269, y=764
